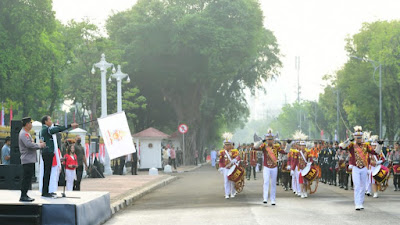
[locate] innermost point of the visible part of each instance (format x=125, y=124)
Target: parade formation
x=289, y=163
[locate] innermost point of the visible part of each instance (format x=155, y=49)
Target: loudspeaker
x=16, y=126
x=10, y=177
x=15, y=155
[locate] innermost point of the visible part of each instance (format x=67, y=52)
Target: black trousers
x=47, y=163
x=27, y=175
x=134, y=167
x=248, y=173
x=396, y=180
x=173, y=162
x=286, y=179
x=77, y=182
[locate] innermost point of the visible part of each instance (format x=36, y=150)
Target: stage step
x=20, y=214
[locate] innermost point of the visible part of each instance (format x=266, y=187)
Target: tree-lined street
x=197, y=198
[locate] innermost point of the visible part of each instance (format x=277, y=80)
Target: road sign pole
x=183, y=160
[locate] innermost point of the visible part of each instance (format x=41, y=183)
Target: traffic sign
x=183, y=128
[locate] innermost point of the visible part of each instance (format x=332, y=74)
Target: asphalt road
x=198, y=198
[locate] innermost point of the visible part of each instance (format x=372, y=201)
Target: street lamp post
x=119, y=76
x=103, y=65
x=374, y=64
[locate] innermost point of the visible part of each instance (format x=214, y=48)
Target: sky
x=314, y=30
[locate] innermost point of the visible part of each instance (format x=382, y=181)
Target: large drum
x=235, y=173
x=396, y=167
x=380, y=173
x=309, y=172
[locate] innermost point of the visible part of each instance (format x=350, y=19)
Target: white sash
x=227, y=154
x=302, y=155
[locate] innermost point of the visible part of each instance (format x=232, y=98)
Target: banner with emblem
x=116, y=134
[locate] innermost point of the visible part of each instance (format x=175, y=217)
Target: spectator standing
x=81, y=158
x=173, y=157
x=196, y=157
x=5, y=152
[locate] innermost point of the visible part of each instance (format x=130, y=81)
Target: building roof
x=175, y=135
x=151, y=132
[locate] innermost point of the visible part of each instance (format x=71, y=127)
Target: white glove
x=233, y=161
x=351, y=167
x=379, y=162
x=309, y=164
x=288, y=167
x=221, y=170
x=291, y=173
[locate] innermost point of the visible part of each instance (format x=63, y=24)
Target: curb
x=123, y=203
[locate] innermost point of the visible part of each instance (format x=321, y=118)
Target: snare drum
x=235, y=173
x=309, y=172
x=380, y=173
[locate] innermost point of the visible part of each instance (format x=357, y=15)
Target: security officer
x=27, y=148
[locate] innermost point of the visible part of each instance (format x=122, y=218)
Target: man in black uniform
x=321, y=161
x=134, y=162
x=330, y=166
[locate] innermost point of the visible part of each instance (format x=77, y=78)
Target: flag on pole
x=2, y=115
x=322, y=134
x=11, y=114
x=66, y=119
x=74, y=115
x=336, y=136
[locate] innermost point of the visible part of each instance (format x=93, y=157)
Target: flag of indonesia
x=87, y=153
x=2, y=115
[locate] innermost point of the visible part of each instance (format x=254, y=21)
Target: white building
x=148, y=143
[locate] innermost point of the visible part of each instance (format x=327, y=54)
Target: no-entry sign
x=183, y=128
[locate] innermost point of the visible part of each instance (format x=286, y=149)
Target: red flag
x=322, y=134
x=11, y=114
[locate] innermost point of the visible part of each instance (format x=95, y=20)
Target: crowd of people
x=356, y=163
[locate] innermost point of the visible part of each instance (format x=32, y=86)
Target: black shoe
x=47, y=195
x=341, y=187
x=26, y=199
x=265, y=202
x=346, y=188
x=53, y=194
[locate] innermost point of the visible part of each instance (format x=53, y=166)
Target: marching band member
x=227, y=157
x=359, y=163
x=304, y=160
x=394, y=159
x=270, y=170
x=293, y=167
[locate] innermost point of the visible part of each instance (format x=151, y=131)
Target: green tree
x=196, y=57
